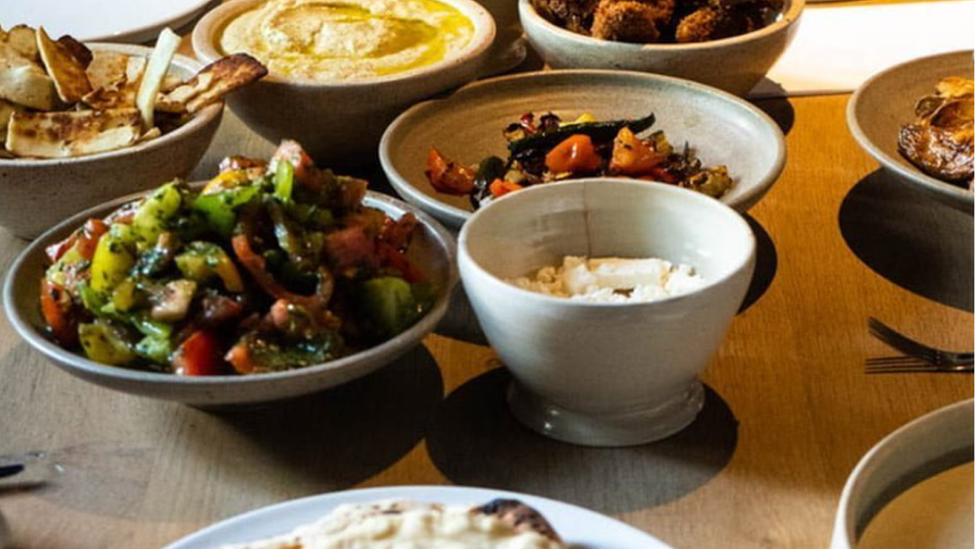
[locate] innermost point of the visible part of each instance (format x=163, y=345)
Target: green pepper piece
x=284, y=181
x=156, y=210
x=389, y=305
x=105, y=343
x=155, y=348
x=219, y=209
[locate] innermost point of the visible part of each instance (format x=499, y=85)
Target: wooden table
x=789, y=410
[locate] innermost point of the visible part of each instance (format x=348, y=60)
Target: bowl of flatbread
x=81, y=124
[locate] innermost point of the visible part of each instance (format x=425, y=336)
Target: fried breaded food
x=725, y=18
x=638, y=21
x=574, y=15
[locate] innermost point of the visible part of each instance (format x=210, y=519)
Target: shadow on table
x=767, y=261
x=340, y=437
x=475, y=441
x=780, y=110
x=910, y=239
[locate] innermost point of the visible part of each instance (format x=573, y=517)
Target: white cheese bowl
x=605, y=374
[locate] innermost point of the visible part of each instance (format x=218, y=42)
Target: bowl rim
x=846, y=520
x=204, y=43
x=718, y=209
x=205, y=116
x=458, y=216
x=34, y=338
x=788, y=17
x=908, y=172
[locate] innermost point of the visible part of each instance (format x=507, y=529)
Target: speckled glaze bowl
x=432, y=250
x=467, y=127
x=878, y=109
x=916, y=451
x=734, y=64
x=340, y=123
x=605, y=374
x=36, y=194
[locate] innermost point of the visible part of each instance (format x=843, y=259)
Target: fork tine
x=899, y=341
x=895, y=360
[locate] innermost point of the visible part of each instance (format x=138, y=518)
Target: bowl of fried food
x=916, y=120
x=274, y=279
x=729, y=44
x=82, y=124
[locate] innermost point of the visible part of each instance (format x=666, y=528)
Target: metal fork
x=920, y=357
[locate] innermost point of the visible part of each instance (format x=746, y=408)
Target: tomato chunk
x=631, y=156
x=501, y=187
x=56, y=310
x=199, y=355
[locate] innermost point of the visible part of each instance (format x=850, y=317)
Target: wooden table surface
x=789, y=410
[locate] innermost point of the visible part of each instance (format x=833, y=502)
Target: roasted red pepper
x=448, y=177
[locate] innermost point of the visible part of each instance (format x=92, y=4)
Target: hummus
x=329, y=40
x=406, y=525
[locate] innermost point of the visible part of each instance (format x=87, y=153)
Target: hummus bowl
x=432, y=251
x=39, y=193
x=341, y=118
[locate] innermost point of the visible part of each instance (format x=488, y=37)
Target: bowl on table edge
x=604, y=374
x=735, y=64
x=886, y=101
x=39, y=193
x=467, y=127
x=432, y=250
x=916, y=451
x=341, y=122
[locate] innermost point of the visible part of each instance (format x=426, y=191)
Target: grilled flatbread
x=67, y=71
x=118, y=84
x=156, y=70
x=393, y=524
x=67, y=134
x=211, y=83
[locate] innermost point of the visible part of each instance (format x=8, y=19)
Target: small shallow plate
x=467, y=127
x=579, y=528
x=878, y=109
x=919, y=450
x=432, y=250
x=134, y=21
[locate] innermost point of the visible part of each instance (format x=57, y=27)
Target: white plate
x=912, y=454
x=134, y=21
x=578, y=527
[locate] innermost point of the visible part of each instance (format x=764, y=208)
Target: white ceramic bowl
x=36, y=194
x=734, y=64
x=432, y=250
x=341, y=122
x=605, y=374
x=467, y=127
x=925, y=447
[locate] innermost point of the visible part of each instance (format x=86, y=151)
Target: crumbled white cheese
x=612, y=280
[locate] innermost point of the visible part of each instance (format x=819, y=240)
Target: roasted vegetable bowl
x=273, y=279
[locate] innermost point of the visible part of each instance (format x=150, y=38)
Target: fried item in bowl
x=940, y=140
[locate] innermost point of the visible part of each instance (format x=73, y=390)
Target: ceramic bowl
x=432, y=250
x=879, y=108
x=467, y=126
x=605, y=374
x=40, y=193
x=340, y=123
x=925, y=447
x=733, y=64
